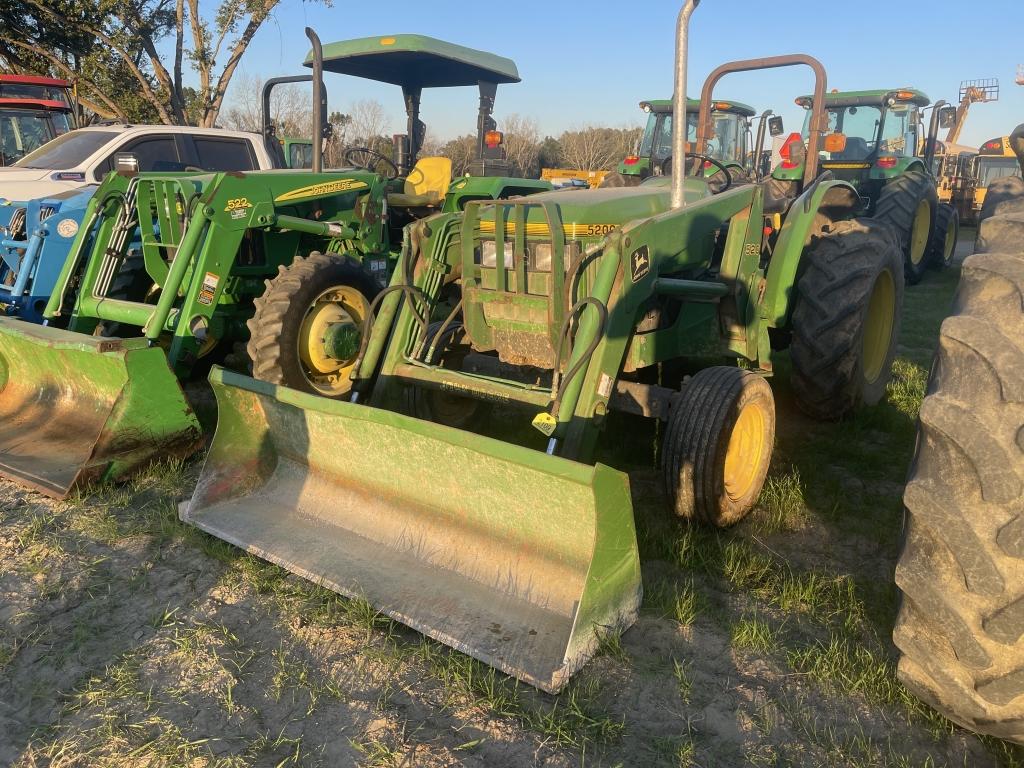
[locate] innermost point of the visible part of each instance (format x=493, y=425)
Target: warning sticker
x=604, y=387
x=209, y=289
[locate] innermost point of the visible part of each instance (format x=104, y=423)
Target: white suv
x=83, y=157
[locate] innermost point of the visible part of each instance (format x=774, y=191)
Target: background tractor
x=960, y=628
x=730, y=143
x=557, y=309
x=170, y=271
x=876, y=141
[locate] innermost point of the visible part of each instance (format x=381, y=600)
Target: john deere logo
x=320, y=190
x=639, y=264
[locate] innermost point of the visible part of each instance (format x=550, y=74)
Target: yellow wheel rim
x=878, y=326
x=920, y=230
x=341, y=305
x=744, y=454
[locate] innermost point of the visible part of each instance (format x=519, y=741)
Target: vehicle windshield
x=727, y=144
x=860, y=126
x=22, y=131
x=34, y=91
x=67, y=151
x=992, y=168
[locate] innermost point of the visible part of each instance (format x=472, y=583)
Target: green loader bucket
x=77, y=409
x=514, y=557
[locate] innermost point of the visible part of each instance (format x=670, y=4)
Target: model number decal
x=237, y=203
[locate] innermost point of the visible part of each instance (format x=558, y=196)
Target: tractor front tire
x=960, y=628
x=435, y=405
x=718, y=445
x=847, y=316
x=908, y=203
x=299, y=306
x=945, y=233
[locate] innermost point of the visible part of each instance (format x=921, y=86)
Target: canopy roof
x=693, y=105
x=869, y=98
x=415, y=61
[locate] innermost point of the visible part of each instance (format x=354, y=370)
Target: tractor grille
x=46, y=211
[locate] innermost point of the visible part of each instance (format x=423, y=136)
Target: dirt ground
x=128, y=639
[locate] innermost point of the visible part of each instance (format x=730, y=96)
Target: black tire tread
x=946, y=216
x=897, y=204
x=961, y=569
x=839, y=270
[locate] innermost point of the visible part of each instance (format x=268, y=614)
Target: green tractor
x=730, y=143
x=171, y=272
x=960, y=629
x=876, y=141
x=459, y=489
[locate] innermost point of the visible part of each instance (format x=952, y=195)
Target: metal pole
x=318, y=105
x=679, y=106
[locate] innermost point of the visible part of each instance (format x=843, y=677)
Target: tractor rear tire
x=279, y=328
x=847, y=318
x=1004, y=196
x=718, y=445
x=908, y=203
x=960, y=627
x=945, y=234
x=615, y=179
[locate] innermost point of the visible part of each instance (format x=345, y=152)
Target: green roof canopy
x=692, y=105
x=415, y=61
x=869, y=98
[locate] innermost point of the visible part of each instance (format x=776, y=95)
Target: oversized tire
x=616, y=179
x=960, y=627
x=1004, y=196
x=131, y=283
x=847, y=318
x=908, y=203
x=945, y=233
x=718, y=445
x=435, y=405
x=317, y=298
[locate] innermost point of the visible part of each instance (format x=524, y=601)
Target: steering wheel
x=666, y=167
x=370, y=159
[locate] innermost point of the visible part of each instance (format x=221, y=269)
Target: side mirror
x=947, y=117
x=775, y=127
x=126, y=162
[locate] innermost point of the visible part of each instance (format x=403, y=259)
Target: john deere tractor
x=876, y=141
x=960, y=628
x=730, y=143
x=554, y=310
x=170, y=271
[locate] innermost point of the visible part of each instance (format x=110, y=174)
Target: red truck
x=33, y=110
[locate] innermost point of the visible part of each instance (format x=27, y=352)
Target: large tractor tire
x=945, y=233
x=306, y=329
x=1004, y=196
x=436, y=405
x=847, y=318
x=908, y=203
x=718, y=445
x=616, y=179
x=960, y=627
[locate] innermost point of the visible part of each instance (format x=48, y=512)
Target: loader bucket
x=77, y=409
x=509, y=555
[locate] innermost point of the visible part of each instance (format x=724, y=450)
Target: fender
x=834, y=199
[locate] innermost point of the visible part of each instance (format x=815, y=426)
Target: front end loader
x=552, y=311
x=169, y=272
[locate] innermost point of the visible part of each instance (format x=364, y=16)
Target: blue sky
x=591, y=62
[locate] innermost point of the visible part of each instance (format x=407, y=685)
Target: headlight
x=489, y=254
x=541, y=261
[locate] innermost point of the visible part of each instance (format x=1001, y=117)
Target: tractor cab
x=730, y=143
x=872, y=136
x=418, y=186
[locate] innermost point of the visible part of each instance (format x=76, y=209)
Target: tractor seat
x=426, y=185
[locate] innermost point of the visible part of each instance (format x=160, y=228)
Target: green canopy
x=415, y=61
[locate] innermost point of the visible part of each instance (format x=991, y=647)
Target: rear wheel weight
x=296, y=325
x=718, y=445
x=908, y=203
x=846, y=319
